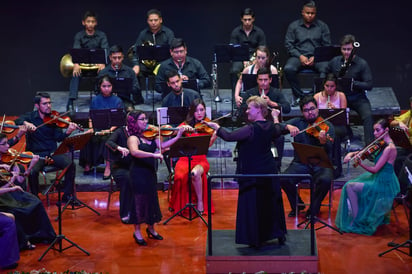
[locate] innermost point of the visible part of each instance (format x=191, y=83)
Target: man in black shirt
x=118, y=70
x=302, y=37
x=189, y=68
x=245, y=34
x=89, y=38
x=41, y=139
x=179, y=97
x=359, y=70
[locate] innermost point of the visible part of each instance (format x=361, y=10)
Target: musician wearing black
x=117, y=70
x=89, y=38
x=274, y=99
x=245, y=34
x=302, y=37
x=154, y=34
x=323, y=137
x=359, y=70
x=179, y=97
x=189, y=68
x=41, y=139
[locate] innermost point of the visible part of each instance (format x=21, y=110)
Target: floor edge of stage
x=294, y=256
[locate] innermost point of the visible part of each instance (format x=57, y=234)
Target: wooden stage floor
x=183, y=250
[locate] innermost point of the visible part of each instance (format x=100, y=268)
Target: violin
x=152, y=131
x=58, y=120
x=317, y=127
x=6, y=175
x=368, y=150
x=8, y=126
x=13, y=155
x=203, y=128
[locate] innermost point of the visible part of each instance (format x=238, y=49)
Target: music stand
x=157, y=53
x=105, y=118
x=326, y=53
x=123, y=87
x=64, y=147
x=188, y=147
x=313, y=156
x=343, y=84
x=88, y=56
x=340, y=117
x=70, y=144
x=400, y=138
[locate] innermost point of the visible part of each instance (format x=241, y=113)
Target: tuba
x=66, y=66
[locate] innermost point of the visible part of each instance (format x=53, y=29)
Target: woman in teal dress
x=366, y=201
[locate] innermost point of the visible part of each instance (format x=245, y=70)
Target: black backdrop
x=36, y=34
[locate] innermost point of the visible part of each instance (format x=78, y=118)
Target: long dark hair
x=190, y=118
x=131, y=121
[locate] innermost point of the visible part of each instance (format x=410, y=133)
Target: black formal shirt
x=302, y=40
x=118, y=138
x=163, y=38
x=256, y=37
x=305, y=138
x=274, y=95
x=358, y=70
x=123, y=72
x=43, y=141
x=96, y=41
x=175, y=100
x=192, y=68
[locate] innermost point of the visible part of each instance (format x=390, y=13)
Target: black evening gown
x=260, y=213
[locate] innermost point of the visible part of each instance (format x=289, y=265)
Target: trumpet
x=66, y=66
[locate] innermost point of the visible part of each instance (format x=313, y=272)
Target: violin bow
x=324, y=120
x=369, y=145
x=221, y=117
x=2, y=122
x=52, y=119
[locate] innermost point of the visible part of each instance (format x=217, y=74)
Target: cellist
x=321, y=135
x=41, y=139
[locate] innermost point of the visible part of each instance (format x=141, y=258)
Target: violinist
x=366, y=200
x=330, y=98
x=41, y=139
x=179, y=97
x=94, y=153
x=200, y=165
x=32, y=222
x=143, y=177
x=321, y=135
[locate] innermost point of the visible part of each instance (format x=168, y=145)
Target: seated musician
x=330, y=98
x=199, y=163
x=179, y=97
x=189, y=67
x=274, y=99
x=42, y=138
x=93, y=153
x=32, y=222
x=117, y=69
x=322, y=137
x=262, y=60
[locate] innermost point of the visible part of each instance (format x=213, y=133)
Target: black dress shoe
x=282, y=240
x=292, y=213
x=139, y=241
x=11, y=266
x=107, y=177
x=153, y=236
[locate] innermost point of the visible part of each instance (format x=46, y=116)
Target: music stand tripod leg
x=60, y=237
x=189, y=204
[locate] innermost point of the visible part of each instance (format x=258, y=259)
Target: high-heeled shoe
x=139, y=241
x=153, y=236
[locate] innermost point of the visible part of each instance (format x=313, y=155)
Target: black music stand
x=343, y=84
x=71, y=144
x=250, y=81
x=409, y=241
x=326, y=53
x=123, y=87
x=188, y=147
x=340, y=115
x=157, y=53
x=400, y=138
x=88, y=56
x=313, y=156
x=106, y=118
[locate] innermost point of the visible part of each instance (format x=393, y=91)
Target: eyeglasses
x=3, y=144
x=143, y=119
x=309, y=109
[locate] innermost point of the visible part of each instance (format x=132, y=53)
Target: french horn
x=66, y=66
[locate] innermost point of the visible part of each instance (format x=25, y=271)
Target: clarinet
x=348, y=62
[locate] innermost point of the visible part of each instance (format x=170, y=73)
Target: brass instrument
x=66, y=66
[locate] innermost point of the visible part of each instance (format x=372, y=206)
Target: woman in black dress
x=143, y=176
x=260, y=213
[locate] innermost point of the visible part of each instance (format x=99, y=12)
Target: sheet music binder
x=156, y=52
x=88, y=56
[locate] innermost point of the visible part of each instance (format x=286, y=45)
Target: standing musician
x=366, y=200
x=359, y=70
x=322, y=136
x=200, y=165
x=143, y=177
x=42, y=140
